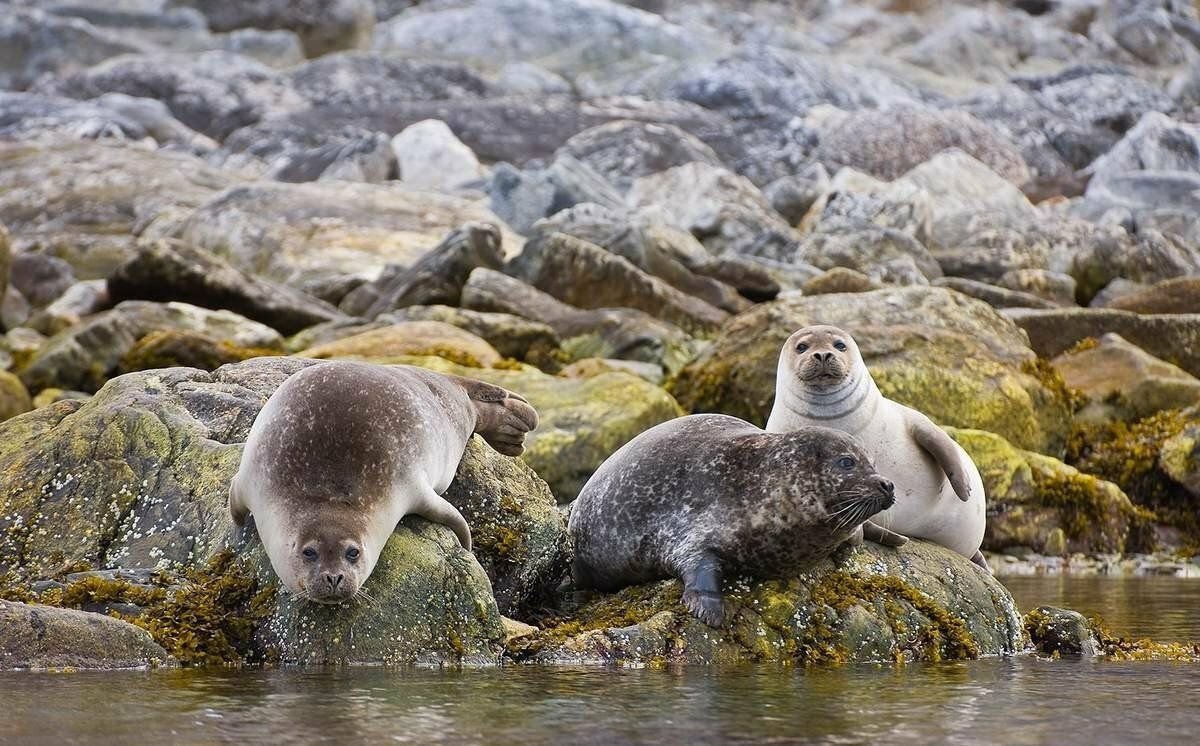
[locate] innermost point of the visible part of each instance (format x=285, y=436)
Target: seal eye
x=309, y=553
x=352, y=554
x=801, y=347
x=846, y=462
x=840, y=345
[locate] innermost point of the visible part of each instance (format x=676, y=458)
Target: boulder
x=409, y=338
x=83, y=357
x=171, y=348
x=14, y=399
x=839, y=280
x=431, y=157
x=286, y=149
x=1178, y=295
x=871, y=604
x=952, y=357
x=1056, y=287
x=173, y=271
x=994, y=296
x=37, y=43
x=884, y=254
x=1055, y=632
x=523, y=197
x=1120, y=381
x=30, y=116
x=624, y=151
x=40, y=637
x=1156, y=143
x=323, y=25
x=40, y=278
x=533, y=342
x=1030, y=497
x=78, y=301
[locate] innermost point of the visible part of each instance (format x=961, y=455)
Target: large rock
x=172, y=271
x=1123, y=382
x=1174, y=338
x=1156, y=143
x=533, y=342
x=884, y=254
x=622, y=333
x=292, y=232
x=949, y=356
x=36, y=43
x=624, y=151
x=38, y=637
x=524, y=196
x=138, y=477
x=872, y=604
x=14, y=399
x=1179, y=295
x=323, y=25
x=431, y=157
x=409, y=338
x=584, y=275
x=1031, y=497
x=83, y=357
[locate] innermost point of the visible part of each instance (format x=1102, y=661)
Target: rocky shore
x=619, y=211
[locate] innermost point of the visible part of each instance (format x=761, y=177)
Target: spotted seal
x=343, y=450
x=707, y=495
x=822, y=380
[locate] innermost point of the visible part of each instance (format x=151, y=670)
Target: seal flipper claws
x=880, y=535
x=437, y=509
x=980, y=560
x=702, y=590
x=707, y=607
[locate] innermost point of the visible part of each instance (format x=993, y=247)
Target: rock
x=22, y=343
x=1056, y=287
x=46, y=397
x=725, y=211
x=40, y=637
x=1118, y=288
x=431, y=157
x=114, y=193
x=14, y=309
x=14, y=399
x=1174, y=338
x=839, y=280
x=169, y=348
x=623, y=333
x=521, y=198
x=279, y=49
x=410, y=338
x=5, y=267
x=324, y=26
x=996, y=297
x=437, y=277
x=40, y=279
x=954, y=182
x=1054, y=632
x=83, y=357
x=1156, y=143
x=594, y=366
x=173, y=271
x=1178, y=295
x=212, y=92
x=1121, y=381
x=884, y=254
x=952, y=357
x=1030, y=497
x=80, y=300
x=288, y=150
x=1148, y=36
x=361, y=82
x=1179, y=459
x=887, y=143
x=624, y=151
x=156, y=120
x=30, y=116
x=870, y=604
x=37, y=43
x=141, y=475
x=533, y=342
x=585, y=275
x=294, y=232
x=792, y=196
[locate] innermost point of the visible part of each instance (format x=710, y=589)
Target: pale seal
x=822, y=380
x=705, y=496
x=343, y=450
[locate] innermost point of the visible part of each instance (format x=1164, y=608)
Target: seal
x=822, y=380
x=343, y=450
x=704, y=496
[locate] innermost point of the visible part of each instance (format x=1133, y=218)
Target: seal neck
x=850, y=406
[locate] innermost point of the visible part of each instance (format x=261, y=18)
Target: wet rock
x=996, y=297
x=84, y=356
x=78, y=301
x=409, y=338
x=437, y=277
x=39, y=637
x=888, y=143
x=1174, y=338
x=169, y=270
x=169, y=348
x=431, y=157
x=1031, y=496
x=323, y=25
x=14, y=399
x=623, y=333
x=1121, y=381
x=293, y=233
x=585, y=275
x=624, y=151
x=940, y=352
x=1054, y=632
x=1178, y=295
x=37, y=43
x=839, y=280
x=870, y=604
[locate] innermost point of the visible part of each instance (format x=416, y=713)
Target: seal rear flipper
x=878, y=534
x=980, y=560
x=501, y=417
x=938, y=444
x=237, y=507
x=702, y=590
x=437, y=509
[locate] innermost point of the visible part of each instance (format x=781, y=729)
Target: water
x=1010, y=701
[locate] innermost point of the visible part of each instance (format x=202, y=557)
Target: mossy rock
x=582, y=420
x=37, y=636
x=868, y=604
x=1033, y=500
x=952, y=357
x=409, y=338
x=14, y=399
x=1055, y=632
x=168, y=348
x=138, y=477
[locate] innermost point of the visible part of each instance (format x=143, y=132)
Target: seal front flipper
x=880, y=535
x=433, y=507
x=939, y=445
x=501, y=417
x=702, y=590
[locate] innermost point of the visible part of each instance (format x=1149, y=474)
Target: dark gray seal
x=707, y=495
x=342, y=451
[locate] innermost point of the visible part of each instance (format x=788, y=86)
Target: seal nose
x=334, y=580
x=823, y=357
x=889, y=492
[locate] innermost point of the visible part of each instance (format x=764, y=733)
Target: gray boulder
x=40, y=637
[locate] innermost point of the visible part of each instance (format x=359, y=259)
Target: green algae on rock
x=36, y=636
x=14, y=399
x=867, y=604
x=938, y=351
x=169, y=348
